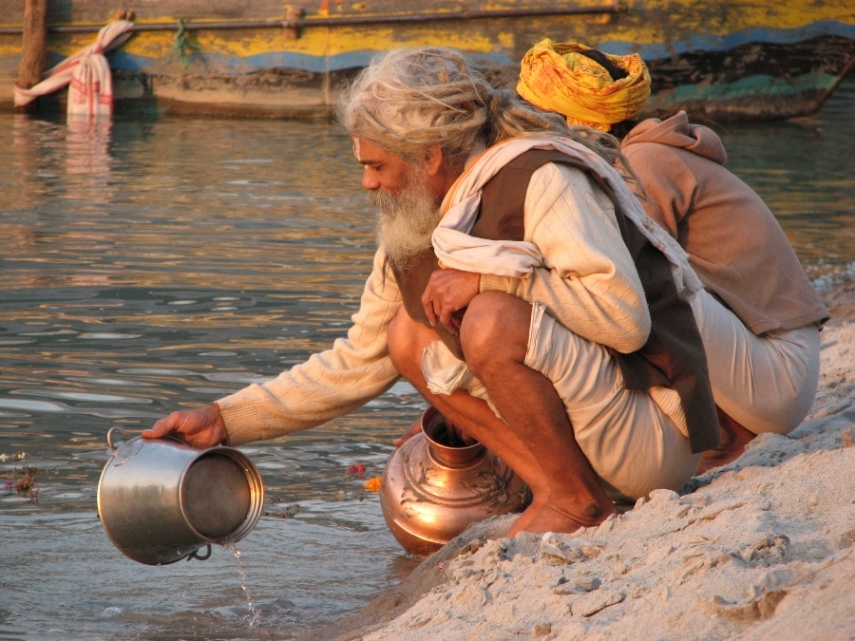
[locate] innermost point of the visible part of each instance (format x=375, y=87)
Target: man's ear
x=434, y=160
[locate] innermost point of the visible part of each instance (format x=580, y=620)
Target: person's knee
x=495, y=329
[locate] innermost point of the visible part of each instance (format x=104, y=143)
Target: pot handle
x=110, y=436
x=196, y=556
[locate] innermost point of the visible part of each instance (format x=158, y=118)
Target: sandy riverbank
x=756, y=550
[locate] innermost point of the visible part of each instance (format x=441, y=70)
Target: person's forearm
x=331, y=383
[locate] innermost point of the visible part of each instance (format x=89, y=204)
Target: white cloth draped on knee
x=87, y=72
x=455, y=248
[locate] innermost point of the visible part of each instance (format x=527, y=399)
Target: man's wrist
x=219, y=423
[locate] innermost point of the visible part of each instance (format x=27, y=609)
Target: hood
x=678, y=132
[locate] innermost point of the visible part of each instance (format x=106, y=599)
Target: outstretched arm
x=330, y=383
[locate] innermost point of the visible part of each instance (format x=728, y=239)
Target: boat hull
x=725, y=61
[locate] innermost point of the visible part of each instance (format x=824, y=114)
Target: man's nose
x=369, y=179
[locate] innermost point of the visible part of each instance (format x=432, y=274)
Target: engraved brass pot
x=432, y=491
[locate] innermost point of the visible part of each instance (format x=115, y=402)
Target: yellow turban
x=556, y=77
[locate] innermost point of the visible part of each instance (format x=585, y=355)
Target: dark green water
x=163, y=264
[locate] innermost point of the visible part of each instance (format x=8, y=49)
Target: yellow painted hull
x=747, y=59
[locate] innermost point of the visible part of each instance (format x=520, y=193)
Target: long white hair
x=409, y=101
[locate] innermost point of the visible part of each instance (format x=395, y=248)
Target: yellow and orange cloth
x=557, y=77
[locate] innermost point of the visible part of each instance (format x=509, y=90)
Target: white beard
x=405, y=220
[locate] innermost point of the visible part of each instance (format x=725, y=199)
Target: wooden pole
x=33, y=47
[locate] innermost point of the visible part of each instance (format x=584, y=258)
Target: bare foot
x=528, y=515
x=734, y=438
x=554, y=519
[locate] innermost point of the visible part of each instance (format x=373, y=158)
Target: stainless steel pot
x=162, y=500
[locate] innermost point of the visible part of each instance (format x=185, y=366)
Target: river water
x=154, y=264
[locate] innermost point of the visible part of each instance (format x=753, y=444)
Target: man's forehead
x=366, y=151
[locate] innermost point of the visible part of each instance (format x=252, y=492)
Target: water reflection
x=89, y=148
x=164, y=263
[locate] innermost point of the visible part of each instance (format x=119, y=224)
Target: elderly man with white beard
x=518, y=285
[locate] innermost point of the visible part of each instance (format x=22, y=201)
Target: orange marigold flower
x=373, y=485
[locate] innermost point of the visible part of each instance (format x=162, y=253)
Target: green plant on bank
x=183, y=46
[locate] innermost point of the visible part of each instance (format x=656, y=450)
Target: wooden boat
x=727, y=60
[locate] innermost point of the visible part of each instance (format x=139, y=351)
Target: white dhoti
x=635, y=440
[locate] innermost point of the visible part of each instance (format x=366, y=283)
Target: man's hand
x=200, y=428
x=449, y=291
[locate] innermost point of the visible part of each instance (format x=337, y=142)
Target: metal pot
x=431, y=491
x=162, y=500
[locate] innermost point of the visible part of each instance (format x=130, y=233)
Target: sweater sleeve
x=331, y=383
x=588, y=280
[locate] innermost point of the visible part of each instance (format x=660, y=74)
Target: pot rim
x=432, y=422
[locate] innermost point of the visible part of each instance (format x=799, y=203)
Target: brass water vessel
x=432, y=488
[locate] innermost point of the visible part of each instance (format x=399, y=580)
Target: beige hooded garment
x=736, y=245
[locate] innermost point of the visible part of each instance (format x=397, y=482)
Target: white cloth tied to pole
x=87, y=72
x=456, y=249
